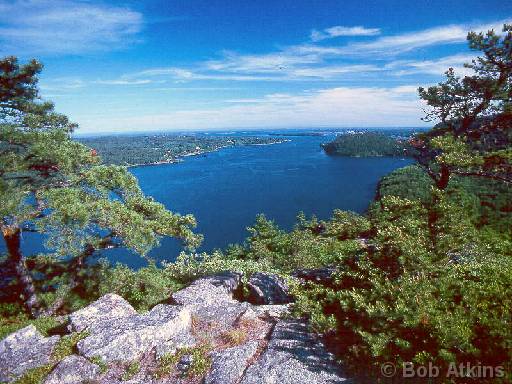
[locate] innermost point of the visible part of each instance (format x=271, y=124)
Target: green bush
x=143, y=288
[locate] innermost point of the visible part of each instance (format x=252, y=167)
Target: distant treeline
x=164, y=148
x=364, y=144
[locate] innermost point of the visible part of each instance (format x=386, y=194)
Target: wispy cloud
x=339, y=30
x=307, y=62
x=396, y=44
x=124, y=82
x=62, y=84
x=432, y=67
x=260, y=63
x=265, y=72
x=332, y=107
x=36, y=27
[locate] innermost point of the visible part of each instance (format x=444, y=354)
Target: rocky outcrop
x=211, y=301
x=126, y=338
x=266, y=288
x=205, y=336
x=110, y=306
x=72, y=370
x=229, y=365
x=293, y=355
x=24, y=350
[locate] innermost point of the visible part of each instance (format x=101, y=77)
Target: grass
x=35, y=375
x=201, y=362
x=131, y=370
x=99, y=362
x=12, y=324
x=235, y=337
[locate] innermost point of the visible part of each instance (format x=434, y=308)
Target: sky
x=122, y=66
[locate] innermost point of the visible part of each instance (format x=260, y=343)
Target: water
x=226, y=189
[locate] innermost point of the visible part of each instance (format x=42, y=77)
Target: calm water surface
x=225, y=190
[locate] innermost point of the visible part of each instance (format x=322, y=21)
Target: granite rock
x=23, y=350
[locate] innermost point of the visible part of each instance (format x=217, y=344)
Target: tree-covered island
x=367, y=144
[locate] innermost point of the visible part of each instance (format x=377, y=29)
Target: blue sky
x=189, y=64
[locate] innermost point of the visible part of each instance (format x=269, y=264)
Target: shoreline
x=179, y=158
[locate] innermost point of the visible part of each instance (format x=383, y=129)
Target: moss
x=35, y=375
x=67, y=345
x=12, y=324
x=131, y=370
x=201, y=362
x=99, y=362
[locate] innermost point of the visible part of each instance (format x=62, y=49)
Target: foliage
x=67, y=345
x=475, y=114
x=189, y=267
x=131, y=370
x=35, y=375
x=53, y=184
x=10, y=323
x=425, y=276
x=433, y=283
x=163, y=148
x=201, y=361
x=100, y=363
x=312, y=243
x=367, y=144
x=143, y=288
x=410, y=182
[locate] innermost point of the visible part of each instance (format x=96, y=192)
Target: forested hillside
x=163, y=148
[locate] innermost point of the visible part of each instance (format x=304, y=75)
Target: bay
x=226, y=189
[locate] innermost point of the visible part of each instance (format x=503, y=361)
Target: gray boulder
x=128, y=337
x=231, y=281
x=229, y=364
x=210, y=300
x=271, y=312
x=105, y=308
x=209, y=290
x=73, y=370
x=183, y=339
x=266, y=288
x=294, y=356
x=23, y=350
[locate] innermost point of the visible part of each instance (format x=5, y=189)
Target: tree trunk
x=444, y=177
x=12, y=237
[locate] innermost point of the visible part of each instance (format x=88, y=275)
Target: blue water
x=226, y=189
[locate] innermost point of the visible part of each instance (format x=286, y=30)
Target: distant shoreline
x=180, y=159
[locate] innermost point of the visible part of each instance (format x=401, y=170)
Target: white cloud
x=123, y=82
x=396, y=44
x=433, y=67
x=37, y=27
x=327, y=63
x=260, y=63
x=338, y=30
x=333, y=107
x=61, y=84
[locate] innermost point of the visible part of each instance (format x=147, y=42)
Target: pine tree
x=52, y=184
x=475, y=114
